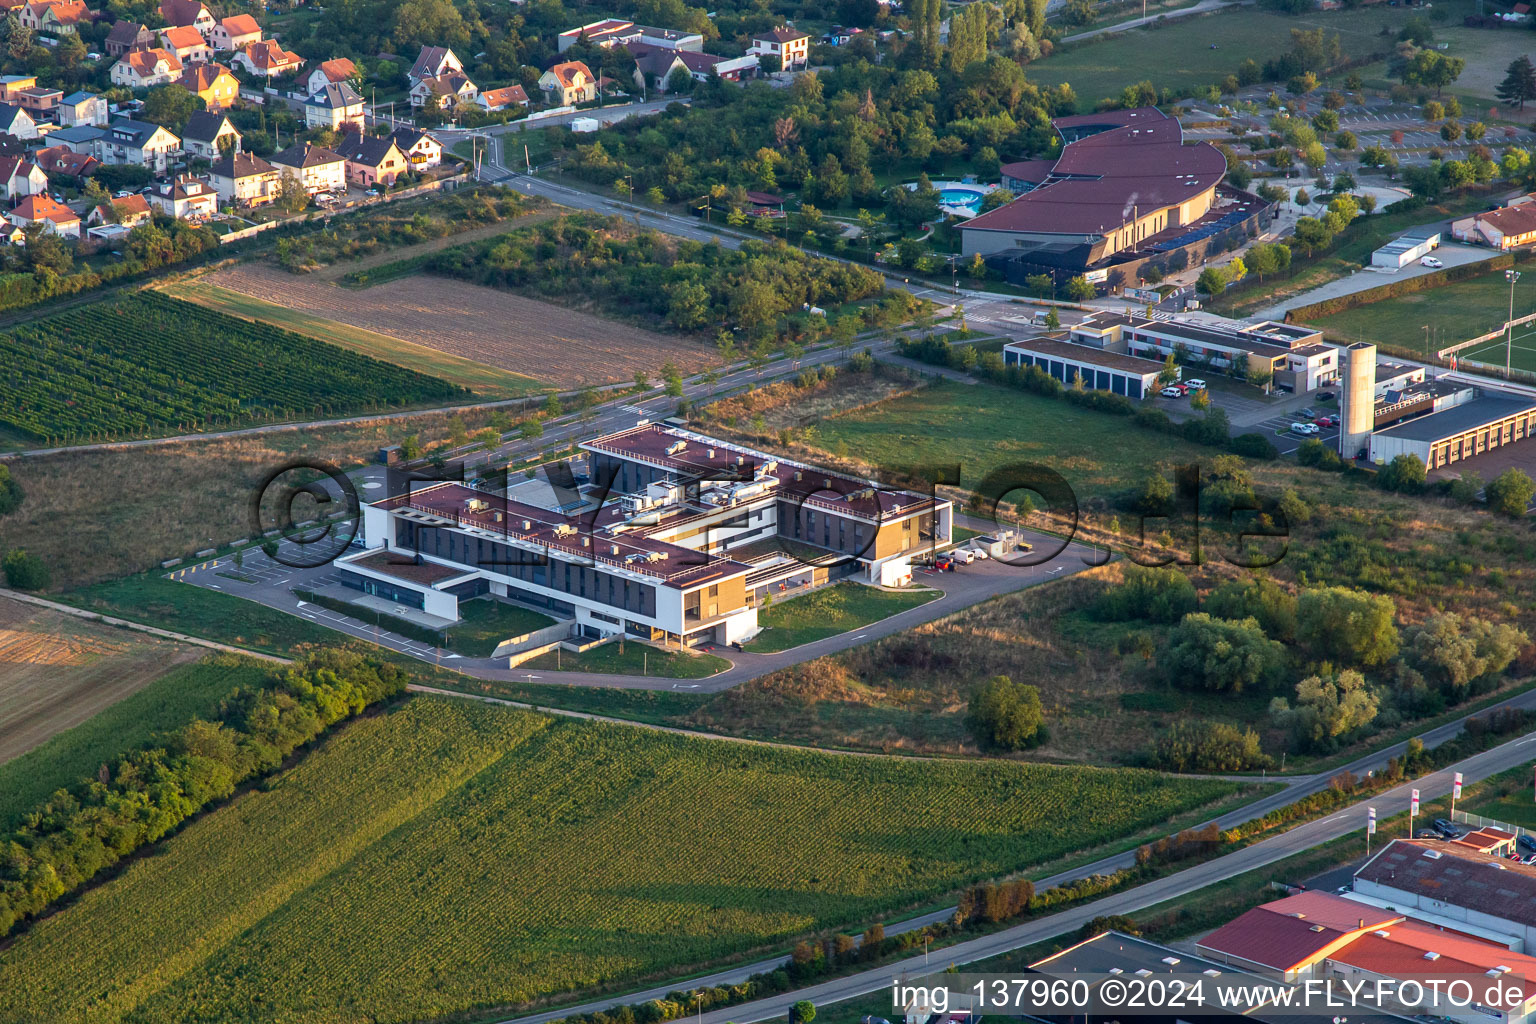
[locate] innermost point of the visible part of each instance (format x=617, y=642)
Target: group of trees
x=146, y=793
x=1005, y=715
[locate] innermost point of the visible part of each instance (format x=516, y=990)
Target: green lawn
x=986, y=426
x=186, y=692
x=630, y=658
x=487, y=622
x=447, y=859
x=1453, y=313
x=154, y=600
x=1203, y=49
x=828, y=612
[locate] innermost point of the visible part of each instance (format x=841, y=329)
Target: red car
x=1327, y=421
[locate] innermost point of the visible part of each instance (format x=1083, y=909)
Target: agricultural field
x=488, y=326
x=828, y=612
x=1203, y=49
x=147, y=364
x=173, y=692
x=1452, y=313
x=487, y=382
x=447, y=857
x=56, y=671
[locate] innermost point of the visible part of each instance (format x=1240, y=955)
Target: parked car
x=1308, y=413
x=1529, y=858
x=1195, y=385
x=1526, y=842
x=1326, y=396
x=944, y=563
x=964, y=556
x=1171, y=392
x=1449, y=829
x=980, y=553
x=1327, y=421
x=1430, y=261
x=1305, y=429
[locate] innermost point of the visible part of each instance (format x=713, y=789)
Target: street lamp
x=1509, y=328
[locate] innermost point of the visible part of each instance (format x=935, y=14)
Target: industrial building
x=1099, y=369
x=1125, y=188
x=1405, y=250
x=1295, y=356
x=1442, y=421
x=1456, y=883
x=676, y=537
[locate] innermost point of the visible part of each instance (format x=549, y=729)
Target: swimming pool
x=968, y=199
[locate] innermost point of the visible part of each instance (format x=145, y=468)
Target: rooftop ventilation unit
x=496, y=516
x=1142, y=972
x=1117, y=970
x=527, y=525
x=1432, y=854
x=676, y=446
x=565, y=530
x=1381, y=933
x=1317, y=928
x=1211, y=972
x=476, y=504
x=1431, y=955
x=1171, y=961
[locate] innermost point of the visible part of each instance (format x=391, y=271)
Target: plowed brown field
x=552, y=344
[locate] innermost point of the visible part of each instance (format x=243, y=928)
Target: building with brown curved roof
x=1124, y=180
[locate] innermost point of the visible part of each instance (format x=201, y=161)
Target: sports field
x=447, y=857
x=1427, y=321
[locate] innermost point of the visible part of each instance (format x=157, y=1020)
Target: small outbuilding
x=1405, y=250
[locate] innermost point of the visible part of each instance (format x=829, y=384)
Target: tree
x=1207, y=747
x=1157, y=595
x=1433, y=69
x=1404, y=474
x=1221, y=654
x=1453, y=652
x=1327, y=707
x=1264, y=600
x=1052, y=319
x=170, y=106
x=25, y=571
x=1345, y=141
x=1005, y=715
x=802, y=1012
x=1212, y=281
x=1080, y=289
x=1510, y=493
x=1312, y=234
x=11, y=494
x=1519, y=83
x=1347, y=627
x=291, y=195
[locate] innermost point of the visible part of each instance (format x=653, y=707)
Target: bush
x=1510, y=493
x=1347, y=627
x=26, y=571
x=1254, y=446
x=1221, y=654
x=11, y=494
x=1265, y=601
x=1158, y=595
x=1405, y=474
x=1208, y=747
x=1005, y=715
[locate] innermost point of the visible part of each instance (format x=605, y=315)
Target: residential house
x=420, y=148
x=82, y=108
x=127, y=36
x=129, y=211
x=213, y=84
x=654, y=66
x=209, y=135
x=569, y=83
x=16, y=122
x=317, y=168
x=41, y=209
x=137, y=142
x=334, y=107
x=12, y=86
x=1505, y=228
x=187, y=43
x=244, y=179
x=234, y=33
x=142, y=69
x=330, y=72
x=787, y=49
x=185, y=198
x=500, y=99
x=63, y=162
x=612, y=32
x=372, y=161
x=434, y=62
x=40, y=102
x=267, y=59
x=54, y=17
x=443, y=91
x=82, y=139
x=187, y=12
x=21, y=177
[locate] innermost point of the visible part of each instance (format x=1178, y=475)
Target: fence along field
x=448, y=857
x=149, y=364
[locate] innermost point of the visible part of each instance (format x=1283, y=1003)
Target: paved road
x=1203, y=7
x=1130, y=901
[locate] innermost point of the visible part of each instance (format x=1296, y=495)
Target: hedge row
x=1395, y=289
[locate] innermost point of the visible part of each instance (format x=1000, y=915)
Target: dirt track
x=498, y=328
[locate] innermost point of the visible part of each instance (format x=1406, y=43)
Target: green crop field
x=149, y=364
x=985, y=426
x=1452, y=313
x=828, y=612
x=186, y=692
x=446, y=857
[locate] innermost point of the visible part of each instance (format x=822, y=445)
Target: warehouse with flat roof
x=1100, y=370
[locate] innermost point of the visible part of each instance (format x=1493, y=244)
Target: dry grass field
x=557, y=346
x=57, y=671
